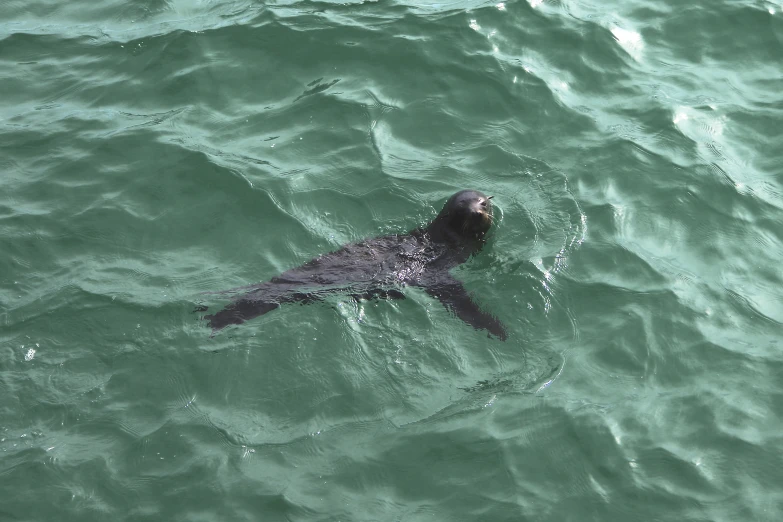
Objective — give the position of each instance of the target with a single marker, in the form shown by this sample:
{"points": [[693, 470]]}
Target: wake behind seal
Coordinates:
{"points": [[380, 267]]}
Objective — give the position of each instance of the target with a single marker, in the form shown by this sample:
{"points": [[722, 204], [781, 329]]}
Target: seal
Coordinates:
{"points": [[381, 266]]}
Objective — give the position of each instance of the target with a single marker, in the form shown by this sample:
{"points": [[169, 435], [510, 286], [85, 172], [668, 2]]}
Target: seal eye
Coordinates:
{"points": [[483, 202]]}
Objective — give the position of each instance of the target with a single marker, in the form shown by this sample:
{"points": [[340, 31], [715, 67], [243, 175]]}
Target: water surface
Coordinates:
{"points": [[155, 150]]}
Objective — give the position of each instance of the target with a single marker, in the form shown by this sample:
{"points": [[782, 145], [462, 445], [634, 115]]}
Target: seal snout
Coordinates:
{"points": [[480, 213], [481, 209], [483, 218]]}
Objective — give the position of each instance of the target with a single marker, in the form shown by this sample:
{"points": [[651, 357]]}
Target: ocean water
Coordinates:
{"points": [[151, 151]]}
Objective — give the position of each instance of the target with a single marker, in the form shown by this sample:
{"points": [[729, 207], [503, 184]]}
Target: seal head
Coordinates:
{"points": [[466, 215]]}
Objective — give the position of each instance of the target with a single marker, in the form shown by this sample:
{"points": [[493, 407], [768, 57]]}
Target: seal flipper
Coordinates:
{"points": [[238, 312], [246, 308], [455, 298]]}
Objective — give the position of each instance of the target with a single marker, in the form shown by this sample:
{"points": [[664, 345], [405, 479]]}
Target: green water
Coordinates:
{"points": [[154, 150]]}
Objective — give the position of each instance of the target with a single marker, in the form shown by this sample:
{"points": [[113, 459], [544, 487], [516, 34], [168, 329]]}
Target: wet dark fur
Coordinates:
{"points": [[381, 266]]}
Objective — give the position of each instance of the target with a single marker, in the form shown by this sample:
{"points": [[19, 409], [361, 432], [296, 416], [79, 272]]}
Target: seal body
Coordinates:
{"points": [[380, 267]]}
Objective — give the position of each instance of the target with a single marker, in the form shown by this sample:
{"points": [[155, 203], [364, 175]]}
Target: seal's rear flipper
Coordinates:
{"points": [[238, 312], [455, 298]]}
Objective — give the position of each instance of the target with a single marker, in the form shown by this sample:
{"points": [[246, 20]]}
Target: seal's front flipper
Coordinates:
{"points": [[454, 297]]}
